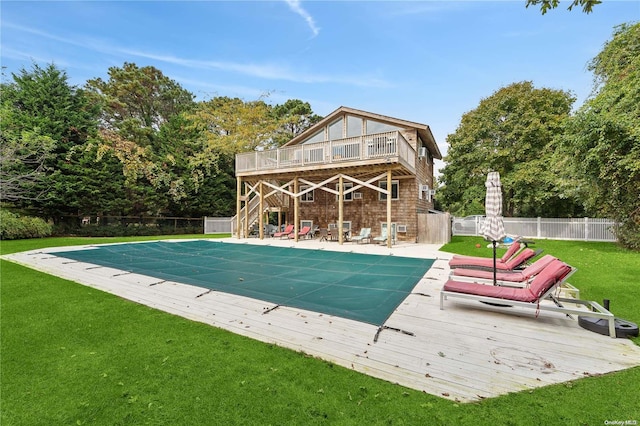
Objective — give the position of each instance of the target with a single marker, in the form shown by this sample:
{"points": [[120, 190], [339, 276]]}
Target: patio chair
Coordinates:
{"points": [[270, 229], [486, 263], [288, 230], [365, 234], [324, 233], [519, 278], [511, 251], [384, 235], [304, 232], [536, 296]]}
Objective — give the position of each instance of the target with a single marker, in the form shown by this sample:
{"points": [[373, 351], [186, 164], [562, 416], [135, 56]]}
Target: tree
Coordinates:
{"points": [[43, 119], [295, 116], [42, 98], [510, 132], [545, 5], [232, 125], [22, 160], [137, 103], [602, 141]]}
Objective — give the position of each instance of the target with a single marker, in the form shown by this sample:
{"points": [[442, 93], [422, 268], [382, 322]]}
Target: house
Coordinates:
{"points": [[353, 169]]}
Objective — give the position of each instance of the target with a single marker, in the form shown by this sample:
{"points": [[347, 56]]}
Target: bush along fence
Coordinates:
{"points": [[118, 226], [580, 229], [14, 226]]}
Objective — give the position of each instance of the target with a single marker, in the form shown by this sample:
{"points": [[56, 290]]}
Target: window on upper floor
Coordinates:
{"points": [[354, 126], [378, 127], [335, 129], [317, 137], [394, 190]]}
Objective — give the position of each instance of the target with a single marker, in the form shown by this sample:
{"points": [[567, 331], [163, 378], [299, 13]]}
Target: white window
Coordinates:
{"points": [[345, 186], [394, 190], [307, 197], [378, 127], [354, 126], [317, 137], [335, 130]]}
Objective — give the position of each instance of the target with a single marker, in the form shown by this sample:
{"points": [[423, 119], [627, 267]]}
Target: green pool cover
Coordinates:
{"points": [[361, 287]]}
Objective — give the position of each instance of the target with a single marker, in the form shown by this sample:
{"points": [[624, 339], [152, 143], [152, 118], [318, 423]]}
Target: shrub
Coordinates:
{"points": [[14, 227], [120, 230]]}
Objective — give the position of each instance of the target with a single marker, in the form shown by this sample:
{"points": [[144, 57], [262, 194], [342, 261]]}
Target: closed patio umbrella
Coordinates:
{"points": [[493, 227]]}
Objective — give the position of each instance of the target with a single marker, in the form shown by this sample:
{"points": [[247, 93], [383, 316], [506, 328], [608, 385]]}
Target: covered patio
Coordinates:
{"points": [[467, 352]]}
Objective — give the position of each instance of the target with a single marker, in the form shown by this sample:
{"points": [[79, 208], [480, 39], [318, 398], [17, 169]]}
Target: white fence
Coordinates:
{"points": [[217, 225], [584, 229]]}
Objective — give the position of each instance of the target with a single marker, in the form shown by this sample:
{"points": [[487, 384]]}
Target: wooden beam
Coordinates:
{"points": [[389, 232], [281, 188], [238, 204], [246, 213], [368, 184], [261, 216], [340, 208], [296, 209]]}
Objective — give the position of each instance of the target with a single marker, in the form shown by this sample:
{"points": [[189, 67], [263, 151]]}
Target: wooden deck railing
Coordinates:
{"points": [[380, 146]]}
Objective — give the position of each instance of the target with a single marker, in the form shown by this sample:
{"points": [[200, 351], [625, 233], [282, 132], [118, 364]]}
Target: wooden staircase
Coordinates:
{"points": [[275, 202]]}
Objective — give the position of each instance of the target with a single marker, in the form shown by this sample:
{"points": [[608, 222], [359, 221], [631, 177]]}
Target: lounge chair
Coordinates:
{"points": [[519, 278], [539, 291], [304, 232], [365, 234], [384, 235], [511, 251], [288, 230], [518, 261]]}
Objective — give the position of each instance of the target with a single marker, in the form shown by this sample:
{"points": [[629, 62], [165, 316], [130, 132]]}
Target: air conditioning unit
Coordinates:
{"points": [[424, 188], [422, 152], [357, 195]]}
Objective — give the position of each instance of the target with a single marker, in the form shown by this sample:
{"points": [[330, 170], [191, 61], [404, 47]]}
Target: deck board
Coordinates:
{"points": [[466, 352]]}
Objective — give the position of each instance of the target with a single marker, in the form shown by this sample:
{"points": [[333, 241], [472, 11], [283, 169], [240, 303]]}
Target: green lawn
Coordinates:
{"points": [[74, 355]]}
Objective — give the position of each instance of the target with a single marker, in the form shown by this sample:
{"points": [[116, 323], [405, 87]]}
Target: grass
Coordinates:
{"points": [[74, 355]]}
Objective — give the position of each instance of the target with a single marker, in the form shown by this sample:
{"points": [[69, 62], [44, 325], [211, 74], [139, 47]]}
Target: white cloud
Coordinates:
{"points": [[297, 8], [267, 71]]}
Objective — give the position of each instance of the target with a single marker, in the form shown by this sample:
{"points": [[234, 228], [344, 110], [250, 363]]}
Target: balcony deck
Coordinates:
{"points": [[361, 151]]}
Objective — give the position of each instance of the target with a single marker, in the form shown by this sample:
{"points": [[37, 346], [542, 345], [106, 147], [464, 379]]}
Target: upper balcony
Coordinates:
{"points": [[366, 150]]}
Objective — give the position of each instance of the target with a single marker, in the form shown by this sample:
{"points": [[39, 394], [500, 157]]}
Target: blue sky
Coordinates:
{"points": [[424, 61]]}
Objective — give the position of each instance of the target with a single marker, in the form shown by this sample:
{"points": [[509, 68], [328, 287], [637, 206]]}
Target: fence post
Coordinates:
{"points": [[539, 227], [586, 229]]}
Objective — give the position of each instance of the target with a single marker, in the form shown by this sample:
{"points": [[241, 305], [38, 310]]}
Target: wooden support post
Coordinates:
{"points": [[246, 212], [238, 205], [340, 208], [261, 216], [296, 209], [389, 231]]}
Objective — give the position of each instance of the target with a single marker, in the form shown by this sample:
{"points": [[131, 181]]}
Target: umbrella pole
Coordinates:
{"points": [[495, 280]]}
